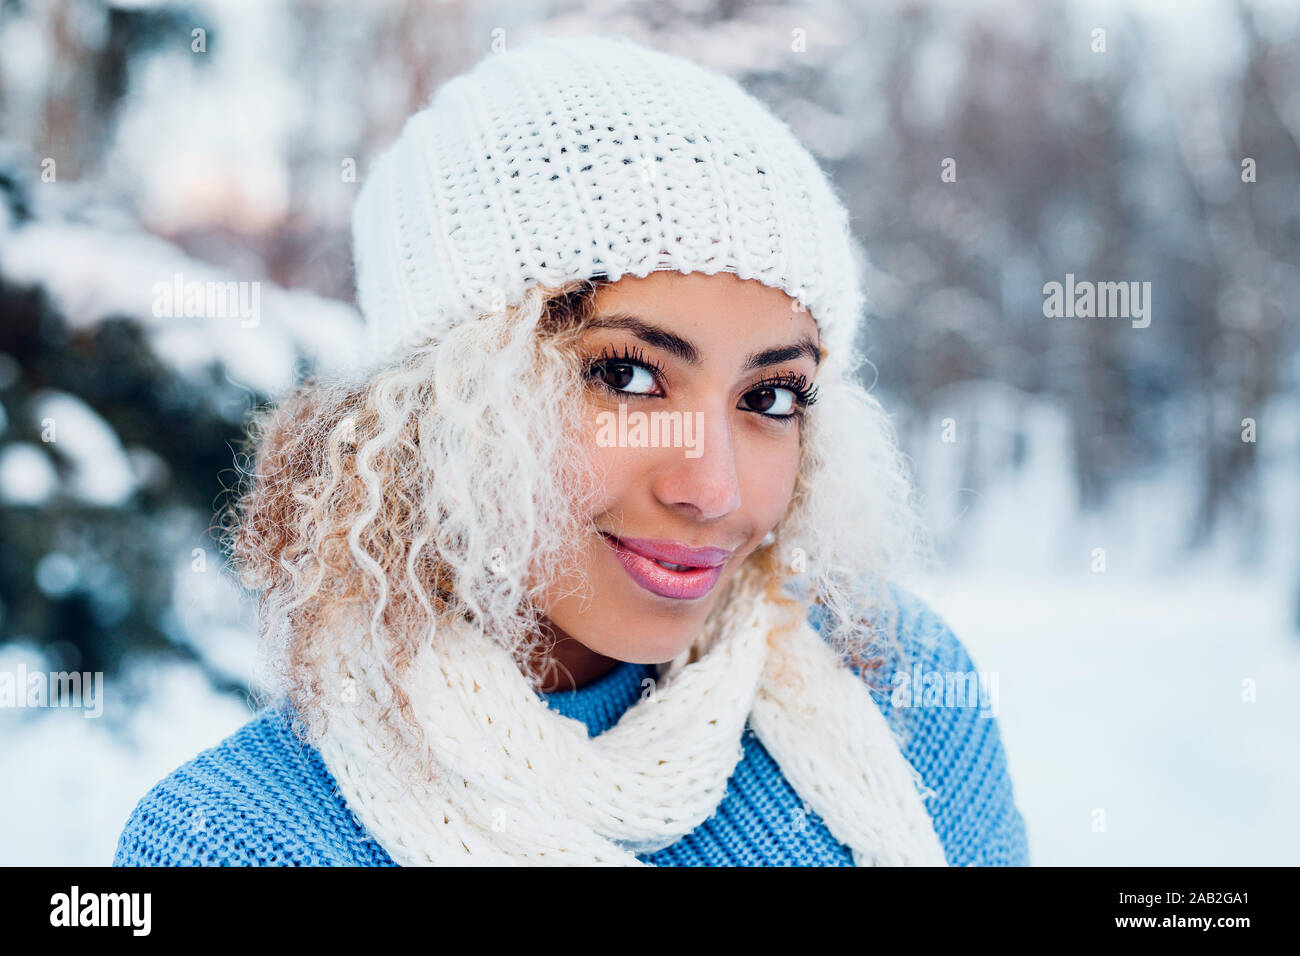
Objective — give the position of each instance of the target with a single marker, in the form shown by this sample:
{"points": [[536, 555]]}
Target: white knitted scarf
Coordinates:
{"points": [[503, 779]]}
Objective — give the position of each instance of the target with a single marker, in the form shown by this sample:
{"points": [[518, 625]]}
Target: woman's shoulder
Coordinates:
{"points": [[261, 797], [943, 709]]}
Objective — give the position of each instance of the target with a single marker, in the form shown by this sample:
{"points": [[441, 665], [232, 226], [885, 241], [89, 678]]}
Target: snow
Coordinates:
{"points": [[1147, 710], [1127, 695], [210, 617], [101, 471], [70, 782], [93, 273], [225, 116], [27, 476]]}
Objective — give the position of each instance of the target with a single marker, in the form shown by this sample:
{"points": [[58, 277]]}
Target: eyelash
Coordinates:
{"points": [[805, 395], [633, 357]]}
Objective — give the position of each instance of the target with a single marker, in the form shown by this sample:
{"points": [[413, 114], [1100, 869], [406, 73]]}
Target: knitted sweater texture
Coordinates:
{"points": [[263, 798]]}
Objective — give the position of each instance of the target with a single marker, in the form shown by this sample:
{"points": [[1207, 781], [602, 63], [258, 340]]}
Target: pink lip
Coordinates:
{"points": [[638, 555]]}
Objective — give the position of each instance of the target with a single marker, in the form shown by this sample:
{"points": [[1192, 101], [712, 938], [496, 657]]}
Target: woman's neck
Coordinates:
{"points": [[568, 664]]}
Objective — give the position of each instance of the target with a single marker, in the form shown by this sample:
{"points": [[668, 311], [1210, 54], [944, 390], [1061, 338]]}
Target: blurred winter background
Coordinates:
{"points": [[1118, 505]]}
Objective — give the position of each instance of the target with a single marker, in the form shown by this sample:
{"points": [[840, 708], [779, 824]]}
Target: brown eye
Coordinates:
{"points": [[631, 373], [775, 402], [624, 377], [783, 397]]}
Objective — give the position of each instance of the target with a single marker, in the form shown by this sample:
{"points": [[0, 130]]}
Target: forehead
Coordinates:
{"points": [[694, 297], [708, 319]]}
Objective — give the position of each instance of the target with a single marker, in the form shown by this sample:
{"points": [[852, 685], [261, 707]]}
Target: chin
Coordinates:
{"points": [[656, 651]]}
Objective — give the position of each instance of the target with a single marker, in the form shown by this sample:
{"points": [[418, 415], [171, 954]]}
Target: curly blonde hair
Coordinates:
{"points": [[439, 482]]}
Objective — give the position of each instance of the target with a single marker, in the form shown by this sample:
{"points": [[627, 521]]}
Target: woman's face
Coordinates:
{"points": [[713, 370]]}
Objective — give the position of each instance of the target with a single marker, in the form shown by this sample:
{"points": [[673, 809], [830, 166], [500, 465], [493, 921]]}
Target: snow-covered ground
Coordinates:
{"points": [[68, 783], [1148, 710], [1123, 711]]}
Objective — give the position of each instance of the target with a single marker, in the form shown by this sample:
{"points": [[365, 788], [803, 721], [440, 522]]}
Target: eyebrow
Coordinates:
{"points": [[686, 351]]}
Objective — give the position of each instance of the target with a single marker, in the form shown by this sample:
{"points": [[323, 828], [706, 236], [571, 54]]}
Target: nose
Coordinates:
{"points": [[706, 486]]}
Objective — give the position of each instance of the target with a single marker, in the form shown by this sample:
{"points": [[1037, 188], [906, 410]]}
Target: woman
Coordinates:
{"points": [[582, 567]]}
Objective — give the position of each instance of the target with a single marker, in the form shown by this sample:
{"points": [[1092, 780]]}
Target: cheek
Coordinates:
{"points": [[614, 469], [768, 481]]}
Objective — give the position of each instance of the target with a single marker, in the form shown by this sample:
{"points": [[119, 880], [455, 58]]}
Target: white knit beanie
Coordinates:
{"points": [[577, 157]]}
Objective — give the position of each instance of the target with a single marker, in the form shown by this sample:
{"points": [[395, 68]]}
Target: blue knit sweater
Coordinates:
{"points": [[261, 797]]}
